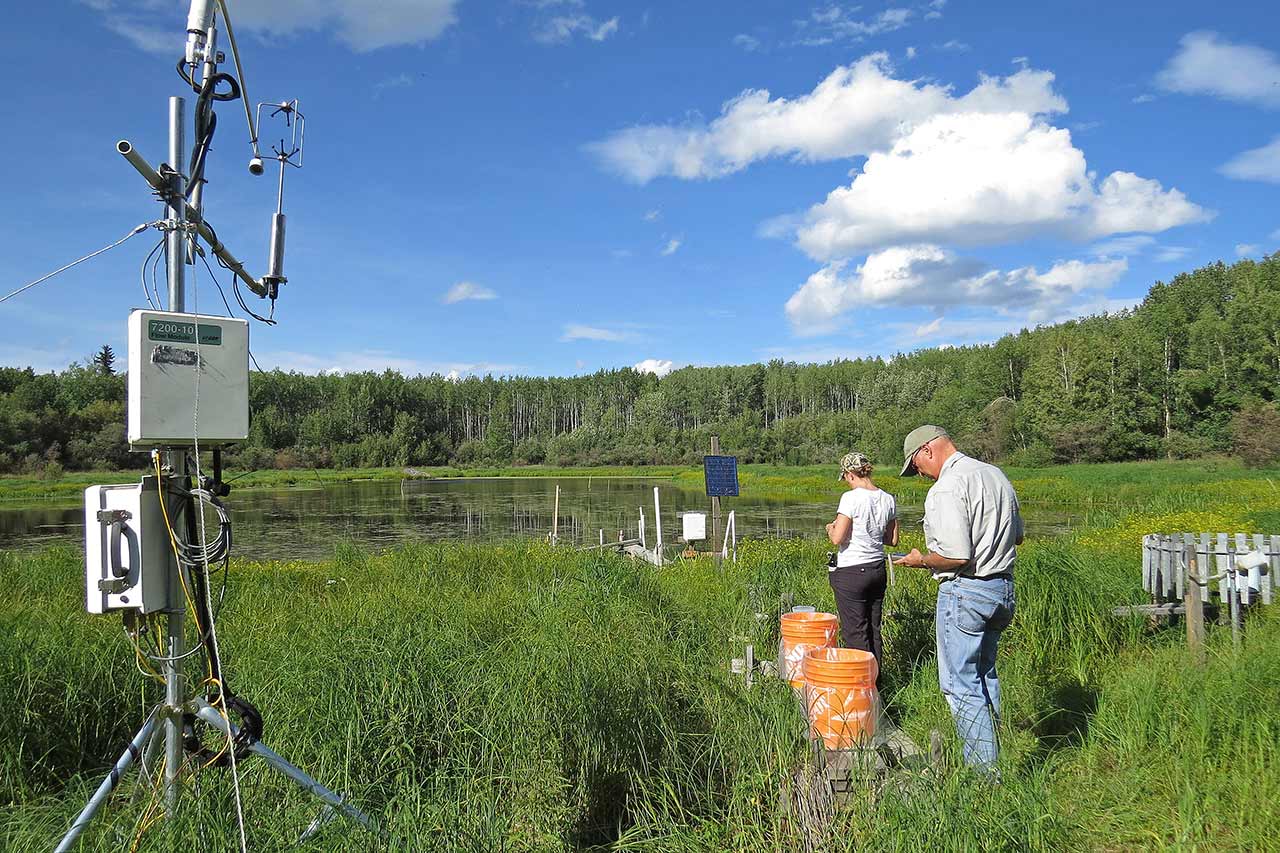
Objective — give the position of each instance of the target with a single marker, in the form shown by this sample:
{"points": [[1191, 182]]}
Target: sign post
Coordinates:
{"points": [[721, 475]]}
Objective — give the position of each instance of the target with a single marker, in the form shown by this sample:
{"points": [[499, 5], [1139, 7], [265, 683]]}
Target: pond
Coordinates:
{"points": [[307, 523]]}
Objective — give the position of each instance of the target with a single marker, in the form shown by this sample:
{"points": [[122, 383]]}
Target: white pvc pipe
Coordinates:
{"points": [[657, 521]]}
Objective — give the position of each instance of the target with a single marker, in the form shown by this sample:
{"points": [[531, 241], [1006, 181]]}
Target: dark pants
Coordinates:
{"points": [[859, 600]]}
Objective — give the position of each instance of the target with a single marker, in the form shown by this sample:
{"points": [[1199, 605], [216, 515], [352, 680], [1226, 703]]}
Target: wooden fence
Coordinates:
{"points": [[1167, 560]]}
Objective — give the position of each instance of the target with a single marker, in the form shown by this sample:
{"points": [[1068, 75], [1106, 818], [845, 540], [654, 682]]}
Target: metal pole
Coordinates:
{"points": [[211, 716], [715, 503], [176, 645], [108, 784]]}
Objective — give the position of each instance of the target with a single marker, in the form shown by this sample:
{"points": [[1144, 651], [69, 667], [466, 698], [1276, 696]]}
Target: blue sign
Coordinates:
{"points": [[721, 473]]}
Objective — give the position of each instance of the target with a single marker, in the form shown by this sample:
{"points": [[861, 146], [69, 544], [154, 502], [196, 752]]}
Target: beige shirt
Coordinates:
{"points": [[972, 514]]}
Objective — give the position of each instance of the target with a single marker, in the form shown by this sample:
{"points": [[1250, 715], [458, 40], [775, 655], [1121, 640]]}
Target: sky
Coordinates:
{"points": [[552, 187]]}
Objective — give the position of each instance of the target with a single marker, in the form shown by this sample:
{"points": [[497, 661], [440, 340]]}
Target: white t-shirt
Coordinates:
{"points": [[870, 513]]}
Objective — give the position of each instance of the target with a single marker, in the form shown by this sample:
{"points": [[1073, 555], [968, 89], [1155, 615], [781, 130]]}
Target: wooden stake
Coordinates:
{"points": [[1194, 604]]}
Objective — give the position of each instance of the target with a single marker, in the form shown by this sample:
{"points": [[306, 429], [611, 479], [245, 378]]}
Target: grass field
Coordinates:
{"points": [[527, 698]]}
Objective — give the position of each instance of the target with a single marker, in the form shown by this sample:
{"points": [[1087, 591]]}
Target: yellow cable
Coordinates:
{"points": [[173, 543]]}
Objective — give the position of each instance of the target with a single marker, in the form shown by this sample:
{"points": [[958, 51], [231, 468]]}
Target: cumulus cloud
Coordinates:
{"points": [[975, 178], [362, 25], [1208, 64], [659, 367], [1257, 164], [563, 28], [672, 246], [748, 43], [579, 332], [1244, 250], [929, 276], [856, 109], [465, 290]]}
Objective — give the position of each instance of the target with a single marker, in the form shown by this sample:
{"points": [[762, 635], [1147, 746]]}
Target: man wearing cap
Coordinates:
{"points": [[972, 526]]}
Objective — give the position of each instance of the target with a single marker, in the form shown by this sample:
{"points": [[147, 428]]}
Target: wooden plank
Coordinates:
{"points": [[1147, 585], [1223, 559], [1178, 559], [1168, 608], [1193, 603], [1274, 554], [1204, 562], [1167, 566], [1242, 581]]}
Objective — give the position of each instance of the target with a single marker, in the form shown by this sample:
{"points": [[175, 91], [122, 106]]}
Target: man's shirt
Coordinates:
{"points": [[972, 514]]}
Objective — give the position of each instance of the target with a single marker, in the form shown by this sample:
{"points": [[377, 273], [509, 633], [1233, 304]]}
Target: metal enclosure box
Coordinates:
{"points": [[162, 379], [133, 551]]}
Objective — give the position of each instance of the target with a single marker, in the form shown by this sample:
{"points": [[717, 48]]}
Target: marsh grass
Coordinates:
{"points": [[528, 698]]}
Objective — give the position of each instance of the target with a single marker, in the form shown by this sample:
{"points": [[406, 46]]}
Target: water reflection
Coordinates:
{"points": [[308, 522]]}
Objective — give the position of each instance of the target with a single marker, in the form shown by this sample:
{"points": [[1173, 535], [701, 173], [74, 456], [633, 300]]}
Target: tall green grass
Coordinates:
{"points": [[521, 697]]}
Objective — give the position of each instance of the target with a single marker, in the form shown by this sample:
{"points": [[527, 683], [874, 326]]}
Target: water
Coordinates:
{"points": [[307, 523]]}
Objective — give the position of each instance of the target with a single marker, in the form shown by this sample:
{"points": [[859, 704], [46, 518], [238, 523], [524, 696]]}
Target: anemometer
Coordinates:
{"points": [[149, 557]]}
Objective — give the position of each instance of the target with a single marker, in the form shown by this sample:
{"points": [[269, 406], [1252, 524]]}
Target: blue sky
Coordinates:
{"points": [[555, 186]]}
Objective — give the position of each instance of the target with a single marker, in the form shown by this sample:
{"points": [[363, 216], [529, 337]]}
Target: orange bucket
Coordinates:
{"points": [[840, 696], [800, 633]]}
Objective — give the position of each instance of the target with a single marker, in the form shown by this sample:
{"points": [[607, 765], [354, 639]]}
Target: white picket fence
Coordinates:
{"points": [[1166, 560]]}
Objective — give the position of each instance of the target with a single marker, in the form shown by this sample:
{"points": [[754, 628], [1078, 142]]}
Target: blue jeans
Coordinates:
{"points": [[971, 615]]}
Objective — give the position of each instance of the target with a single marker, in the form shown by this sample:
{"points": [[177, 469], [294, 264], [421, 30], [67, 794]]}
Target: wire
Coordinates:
{"points": [[155, 286], [244, 88], [136, 231], [200, 495], [143, 273], [216, 283]]}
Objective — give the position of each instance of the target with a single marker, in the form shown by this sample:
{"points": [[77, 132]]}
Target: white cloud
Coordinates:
{"points": [[748, 43], [1256, 164], [579, 332], [931, 277], [1021, 61], [360, 361], [911, 52], [659, 367], [835, 24], [1208, 64], [465, 290], [1274, 235], [955, 46], [1244, 250], [563, 28], [982, 178], [1134, 244], [362, 25], [671, 247], [929, 329], [855, 110], [1172, 254], [1143, 98], [652, 215]]}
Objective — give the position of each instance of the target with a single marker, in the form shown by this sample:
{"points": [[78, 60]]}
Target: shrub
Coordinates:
{"points": [[1255, 435]]}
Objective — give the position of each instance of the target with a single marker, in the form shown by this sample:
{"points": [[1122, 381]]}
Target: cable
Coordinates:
{"points": [[223, 690], [143, 273], [216, 283], [244, 88], [136, 231], [155, 285]]}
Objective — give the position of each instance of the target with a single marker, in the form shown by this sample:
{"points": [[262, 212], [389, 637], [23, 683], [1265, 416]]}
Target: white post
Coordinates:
{"points": [[555, 518], [657, 522], [643, 542]]}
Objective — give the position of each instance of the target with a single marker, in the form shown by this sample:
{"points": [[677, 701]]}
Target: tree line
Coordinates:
{"points": [[1193, 370]]}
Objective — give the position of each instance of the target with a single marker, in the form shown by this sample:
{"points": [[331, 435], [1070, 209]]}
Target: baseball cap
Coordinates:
{"points": [[854, 461], [916, 439]]}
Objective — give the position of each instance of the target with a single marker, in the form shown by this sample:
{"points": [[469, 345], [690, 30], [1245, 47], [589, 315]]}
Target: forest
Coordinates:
{"points": [[1193, 370]]}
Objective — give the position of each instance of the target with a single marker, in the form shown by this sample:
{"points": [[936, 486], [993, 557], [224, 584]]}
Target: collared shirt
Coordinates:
{"points": [[972, 514]]}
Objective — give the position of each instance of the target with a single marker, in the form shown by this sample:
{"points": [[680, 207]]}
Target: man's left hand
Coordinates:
{"points": [[912, 559]]}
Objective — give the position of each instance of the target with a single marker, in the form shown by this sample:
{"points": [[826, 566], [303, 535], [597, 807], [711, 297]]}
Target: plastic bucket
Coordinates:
{"points": [[840, 696], [800, 633]]}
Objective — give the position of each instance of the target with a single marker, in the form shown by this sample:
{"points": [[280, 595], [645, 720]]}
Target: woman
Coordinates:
{"points": [[865, 522]]}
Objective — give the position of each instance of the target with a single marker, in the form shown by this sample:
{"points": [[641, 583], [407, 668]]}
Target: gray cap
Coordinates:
{"points": [[916, 439]]}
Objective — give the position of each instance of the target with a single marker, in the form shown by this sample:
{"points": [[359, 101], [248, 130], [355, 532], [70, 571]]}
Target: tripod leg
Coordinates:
{"points": [[104, 790], [211, 716]]}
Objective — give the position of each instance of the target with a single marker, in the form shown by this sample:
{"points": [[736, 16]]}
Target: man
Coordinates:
{"points": [[972, 524]]}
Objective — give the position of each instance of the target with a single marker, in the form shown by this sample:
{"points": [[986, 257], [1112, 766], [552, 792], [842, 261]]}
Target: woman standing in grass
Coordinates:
{"points": [[866, 521]]}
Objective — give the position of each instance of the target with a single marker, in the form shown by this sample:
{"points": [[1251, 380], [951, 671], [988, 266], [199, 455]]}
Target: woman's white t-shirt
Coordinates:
{"points": [[870, 513]]}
